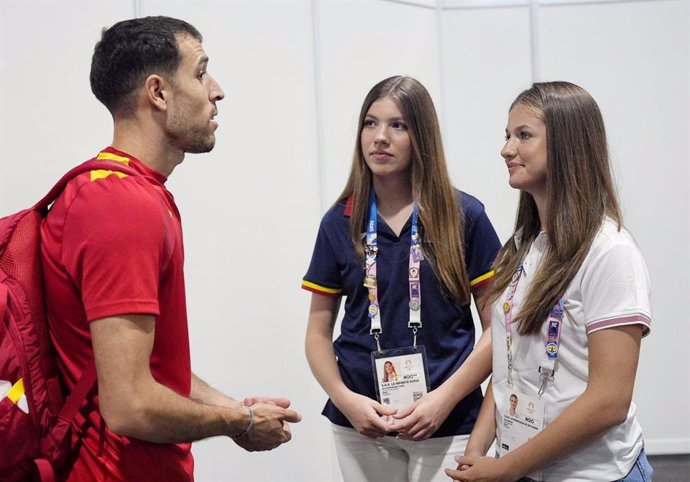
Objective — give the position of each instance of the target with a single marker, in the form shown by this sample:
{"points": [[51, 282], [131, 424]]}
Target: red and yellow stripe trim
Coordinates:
{"points": [[321, 290], [482, 280]]}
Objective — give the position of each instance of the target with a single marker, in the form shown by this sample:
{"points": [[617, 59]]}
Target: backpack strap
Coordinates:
{"points": [[88, 379], [79, 393], [45, 470], [62, 429], [90, 165]]}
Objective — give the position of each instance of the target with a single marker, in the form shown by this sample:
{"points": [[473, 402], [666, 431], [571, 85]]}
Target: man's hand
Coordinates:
{"points": [[279, 401], [270, 428]]}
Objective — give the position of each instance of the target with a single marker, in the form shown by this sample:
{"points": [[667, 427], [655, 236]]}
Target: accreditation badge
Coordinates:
{"points": [[523, 418], [401, 375]]}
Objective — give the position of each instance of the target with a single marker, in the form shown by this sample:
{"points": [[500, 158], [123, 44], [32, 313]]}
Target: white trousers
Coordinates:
{"points": [[389, 459]]}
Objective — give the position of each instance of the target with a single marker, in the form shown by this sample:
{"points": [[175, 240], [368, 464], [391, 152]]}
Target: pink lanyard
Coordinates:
{"points": [[553, 336]]}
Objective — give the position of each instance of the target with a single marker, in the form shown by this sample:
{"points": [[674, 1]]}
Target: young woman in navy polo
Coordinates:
{"points": [[407, 251]]}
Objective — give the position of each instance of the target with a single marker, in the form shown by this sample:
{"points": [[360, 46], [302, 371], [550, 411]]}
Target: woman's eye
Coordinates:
{"points": [[399, 125]]}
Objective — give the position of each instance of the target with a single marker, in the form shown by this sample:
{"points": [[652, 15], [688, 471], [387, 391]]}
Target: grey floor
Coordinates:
{"points": [[670, 468]]}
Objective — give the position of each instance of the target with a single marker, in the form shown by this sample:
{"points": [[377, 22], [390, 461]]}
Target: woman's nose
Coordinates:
{"points": [[381, 135], [508, 150]]}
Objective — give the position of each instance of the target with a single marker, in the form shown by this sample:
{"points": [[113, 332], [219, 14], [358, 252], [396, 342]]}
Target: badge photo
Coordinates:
{"points": [[523, 418], [401, 375]]}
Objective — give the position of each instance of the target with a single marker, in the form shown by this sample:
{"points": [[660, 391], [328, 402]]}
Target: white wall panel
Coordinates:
{"points": [[49, 119], [633, 58], [486, 63], [363, 42]]}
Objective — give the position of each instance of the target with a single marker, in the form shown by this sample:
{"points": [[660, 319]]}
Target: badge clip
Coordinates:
{"points": [[376, 337], [546, 374]]}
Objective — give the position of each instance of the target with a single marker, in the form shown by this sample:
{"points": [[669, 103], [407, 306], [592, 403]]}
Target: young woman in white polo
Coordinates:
{"points": [[570, 307]]}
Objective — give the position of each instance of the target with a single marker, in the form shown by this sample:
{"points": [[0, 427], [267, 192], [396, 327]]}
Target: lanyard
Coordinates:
{"points": [[553, 335], [508, 317], [414, 281], [553, 339]]}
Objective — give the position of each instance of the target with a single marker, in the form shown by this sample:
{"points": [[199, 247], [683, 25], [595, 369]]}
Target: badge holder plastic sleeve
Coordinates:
{"points": [[397, 352]]}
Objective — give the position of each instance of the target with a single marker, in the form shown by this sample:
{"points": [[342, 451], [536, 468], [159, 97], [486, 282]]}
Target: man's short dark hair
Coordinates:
{"points": [[130, 51]]}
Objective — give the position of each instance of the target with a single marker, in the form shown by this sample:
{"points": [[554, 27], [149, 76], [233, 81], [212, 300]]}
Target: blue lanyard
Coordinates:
{"points": [[370, 276]]}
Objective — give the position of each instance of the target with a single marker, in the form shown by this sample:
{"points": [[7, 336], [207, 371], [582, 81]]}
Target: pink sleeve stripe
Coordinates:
{"points": [[636, 319]]}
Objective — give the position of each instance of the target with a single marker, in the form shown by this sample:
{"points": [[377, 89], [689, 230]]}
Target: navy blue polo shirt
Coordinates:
{"points": [[447, 327]]}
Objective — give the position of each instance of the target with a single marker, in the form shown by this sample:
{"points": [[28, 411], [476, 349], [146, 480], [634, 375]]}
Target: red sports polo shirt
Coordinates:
{"points": [[112, 245]]}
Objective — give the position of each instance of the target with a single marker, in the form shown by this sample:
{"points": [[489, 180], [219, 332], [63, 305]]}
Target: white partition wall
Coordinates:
{"points": [[295, 73], [486, 63], [361, 42], [48, 117]]}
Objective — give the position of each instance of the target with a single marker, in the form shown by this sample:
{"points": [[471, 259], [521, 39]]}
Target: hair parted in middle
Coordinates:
{"points": [[441, 221], [580, 193]]}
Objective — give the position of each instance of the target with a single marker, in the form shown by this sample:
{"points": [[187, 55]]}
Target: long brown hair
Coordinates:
{"points": [[580, 193], [440, 219]]}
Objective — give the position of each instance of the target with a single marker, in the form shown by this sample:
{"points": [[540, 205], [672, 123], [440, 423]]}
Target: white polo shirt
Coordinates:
{"points": [[610, 289]]}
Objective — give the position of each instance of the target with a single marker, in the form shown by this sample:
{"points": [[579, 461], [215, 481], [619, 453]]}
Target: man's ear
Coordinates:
{"points": [[157, 91]]}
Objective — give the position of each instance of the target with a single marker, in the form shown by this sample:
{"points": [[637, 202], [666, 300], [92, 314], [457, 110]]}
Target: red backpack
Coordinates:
{"points": [[35, 416]]}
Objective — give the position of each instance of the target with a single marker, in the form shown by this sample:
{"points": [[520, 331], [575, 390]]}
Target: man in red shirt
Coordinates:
{"points": [[113, 259]]}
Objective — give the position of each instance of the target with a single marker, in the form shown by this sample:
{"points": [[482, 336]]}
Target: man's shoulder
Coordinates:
{"points": [[110, 173], [102, 196], [110, 186]]}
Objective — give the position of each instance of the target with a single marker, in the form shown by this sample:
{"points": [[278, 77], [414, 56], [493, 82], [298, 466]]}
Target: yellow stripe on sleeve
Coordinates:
{"points": [[103, 173], [109, 156], [482, 278]]}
